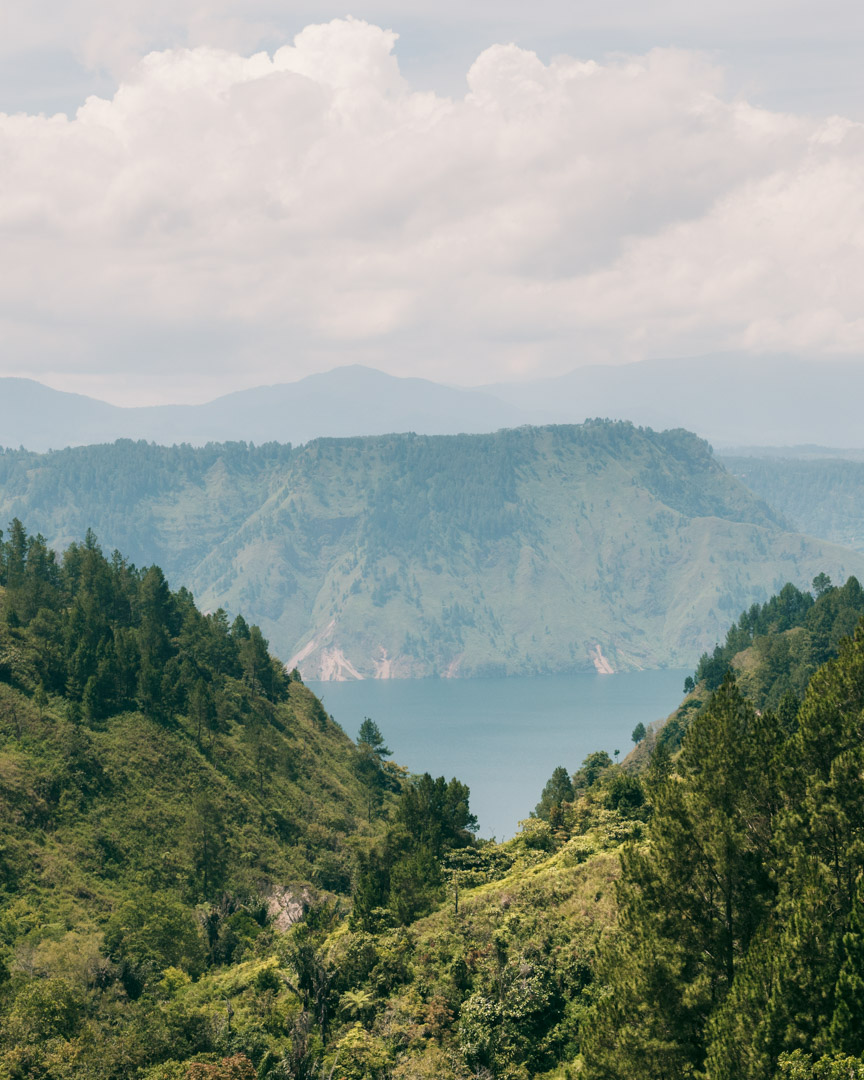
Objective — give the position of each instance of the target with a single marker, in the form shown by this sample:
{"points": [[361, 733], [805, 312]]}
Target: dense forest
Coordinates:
{"points": [[204, 878], [739, 950], [521, 552]]}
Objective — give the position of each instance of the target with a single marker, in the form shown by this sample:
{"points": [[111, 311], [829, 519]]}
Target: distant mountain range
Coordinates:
{"points": [[344, 402], [527, 551], [732, 400]]}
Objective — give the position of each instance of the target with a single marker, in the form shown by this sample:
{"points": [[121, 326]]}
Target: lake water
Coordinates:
{"points": [[504, 737]]}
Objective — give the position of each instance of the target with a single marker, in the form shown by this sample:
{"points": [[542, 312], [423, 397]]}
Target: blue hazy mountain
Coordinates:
{"points": [[345, 402], [733, 400]]}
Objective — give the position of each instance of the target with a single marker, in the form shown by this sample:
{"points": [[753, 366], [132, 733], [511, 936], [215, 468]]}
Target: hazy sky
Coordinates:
{"points": [[196, 197]]}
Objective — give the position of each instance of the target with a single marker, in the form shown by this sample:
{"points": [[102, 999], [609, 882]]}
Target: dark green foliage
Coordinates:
{"points": [[693, 902], [370, 766], [625, 793], [167, 794], [370, 736], [431, 819], [592, 769], [847, 1023], [740, 952], [638, 732], [111, 637], [777, 646], [792, 633], [162, 781], [558, 790]]}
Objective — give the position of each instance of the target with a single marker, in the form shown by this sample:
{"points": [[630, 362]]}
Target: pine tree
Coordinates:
{"points": [[694, 899], [847, 1023], [369, 736], [558, 790]]}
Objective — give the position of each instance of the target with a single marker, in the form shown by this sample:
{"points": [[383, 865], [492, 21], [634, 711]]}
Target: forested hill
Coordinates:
{"points": [[773, 650], [151, 740], [527, 551], [171, 804], [739, 952], [822, 496], [204, 879]]}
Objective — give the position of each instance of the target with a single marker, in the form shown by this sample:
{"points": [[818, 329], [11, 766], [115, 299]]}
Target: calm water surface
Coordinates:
{"points": [[503, 737]]}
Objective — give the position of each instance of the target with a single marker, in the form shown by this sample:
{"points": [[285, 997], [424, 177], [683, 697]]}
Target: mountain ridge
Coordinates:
{"points": [[522, 552], [732, 399], [343, 402]]}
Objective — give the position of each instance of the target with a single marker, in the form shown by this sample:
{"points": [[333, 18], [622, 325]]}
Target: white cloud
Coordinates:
{"points": [[239, 219]]}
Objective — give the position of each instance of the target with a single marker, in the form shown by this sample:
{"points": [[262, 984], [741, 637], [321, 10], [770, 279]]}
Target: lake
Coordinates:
{"points": [[504, 737]]}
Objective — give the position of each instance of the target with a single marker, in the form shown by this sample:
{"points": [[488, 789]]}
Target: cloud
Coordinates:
{"points": [[228, 219]]}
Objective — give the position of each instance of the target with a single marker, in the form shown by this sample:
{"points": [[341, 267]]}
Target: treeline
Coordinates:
{"points": [[739, 953], [111, 637], [792, 634]]}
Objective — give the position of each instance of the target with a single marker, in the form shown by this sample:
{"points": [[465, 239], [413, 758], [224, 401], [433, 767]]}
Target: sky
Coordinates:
{"points": [[198, 197]]}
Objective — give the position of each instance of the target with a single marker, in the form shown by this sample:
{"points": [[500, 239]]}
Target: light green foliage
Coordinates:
{"points": [[146, 826], [698, 919], [798, 1066]]}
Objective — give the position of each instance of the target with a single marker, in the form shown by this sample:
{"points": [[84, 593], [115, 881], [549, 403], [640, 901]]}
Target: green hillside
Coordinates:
{"points": [[204, 879], [772, 650], [144, 740], [739, 951], [822, 496], [528, 551]]}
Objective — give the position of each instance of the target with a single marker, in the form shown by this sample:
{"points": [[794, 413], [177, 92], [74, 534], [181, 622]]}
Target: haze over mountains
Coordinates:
{"points": [[344, 402], [527, 551], [732, 400]]}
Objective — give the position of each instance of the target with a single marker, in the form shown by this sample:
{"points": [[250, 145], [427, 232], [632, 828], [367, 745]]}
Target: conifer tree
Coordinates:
{"points": [[693, 900], [847, 1023], [558, 790]]}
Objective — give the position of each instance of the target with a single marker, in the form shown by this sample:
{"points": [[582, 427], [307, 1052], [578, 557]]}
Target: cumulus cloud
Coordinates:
{"points": [[244, 218]]}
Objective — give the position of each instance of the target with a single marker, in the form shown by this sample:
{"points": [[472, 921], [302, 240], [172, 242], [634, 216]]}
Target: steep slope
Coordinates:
{"points": [[527, 551], [702, 921], [773, 650], [146, 739], [171, 804], [739, 947]]}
